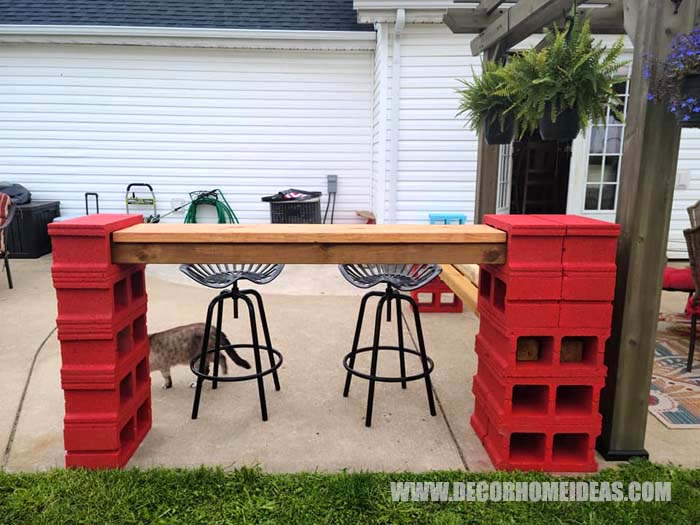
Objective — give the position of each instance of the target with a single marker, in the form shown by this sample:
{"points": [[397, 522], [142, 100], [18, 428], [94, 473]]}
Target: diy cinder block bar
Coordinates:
{"points": [[98, 273]]}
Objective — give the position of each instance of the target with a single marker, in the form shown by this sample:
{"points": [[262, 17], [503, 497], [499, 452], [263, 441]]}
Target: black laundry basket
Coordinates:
{"points": [[295, 207]]}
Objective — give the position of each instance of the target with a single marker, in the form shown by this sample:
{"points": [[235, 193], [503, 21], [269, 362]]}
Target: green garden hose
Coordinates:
{"points": [[215, 198]]}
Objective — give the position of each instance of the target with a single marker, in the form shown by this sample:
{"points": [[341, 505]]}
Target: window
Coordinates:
{"points": [[605, 157]]}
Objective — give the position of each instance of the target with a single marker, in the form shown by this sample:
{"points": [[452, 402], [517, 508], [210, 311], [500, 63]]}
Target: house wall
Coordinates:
{"points": [[251, 122]]}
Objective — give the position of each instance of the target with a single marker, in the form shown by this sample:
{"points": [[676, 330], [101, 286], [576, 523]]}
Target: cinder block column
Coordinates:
{"points": [[104, 343], [545, 317]]}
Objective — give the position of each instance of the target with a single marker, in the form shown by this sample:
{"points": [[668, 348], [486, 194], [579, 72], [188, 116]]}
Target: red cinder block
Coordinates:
{"points": [[549, 402], [528, 447], [521, 285], [102, 344], [589, 243], [500, 347], [100, 431], [125, 440], [519, 314], [533, 243], [585, 314], [588, 286], [84, 242], [109, 296], [436, 289]]}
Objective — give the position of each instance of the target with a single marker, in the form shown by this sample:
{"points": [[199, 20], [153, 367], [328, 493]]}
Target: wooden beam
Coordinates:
{"points": [[461, 286], [651, 145], [489, 6], [604, 20], [309, 233], [486, 170], [358, 253], [308, 244], [520, 21]]}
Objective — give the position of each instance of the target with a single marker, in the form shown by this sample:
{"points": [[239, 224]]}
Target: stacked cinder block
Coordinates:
{"points": [[104, 343], [545, 318], [431, 298]]}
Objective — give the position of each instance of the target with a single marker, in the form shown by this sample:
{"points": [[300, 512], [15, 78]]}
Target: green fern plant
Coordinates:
{"points": [[479, 101], [572, 72]]}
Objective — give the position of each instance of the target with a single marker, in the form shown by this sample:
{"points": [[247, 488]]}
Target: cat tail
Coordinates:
{"points": [[232, 353]]}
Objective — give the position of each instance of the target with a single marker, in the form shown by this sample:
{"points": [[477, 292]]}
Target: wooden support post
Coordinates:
{"points": [[649, 163], [486, 169]]}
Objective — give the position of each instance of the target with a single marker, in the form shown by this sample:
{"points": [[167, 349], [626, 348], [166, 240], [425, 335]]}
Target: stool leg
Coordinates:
{"points": [[217, 342], [402, 356], [375, 355], [266, 333], [256, 352], [691, 349], [203, 355], [356, 339], [7, 269], [423, 354]]}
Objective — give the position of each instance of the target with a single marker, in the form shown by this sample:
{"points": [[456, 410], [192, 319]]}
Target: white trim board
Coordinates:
{"points": [[188, 37]]}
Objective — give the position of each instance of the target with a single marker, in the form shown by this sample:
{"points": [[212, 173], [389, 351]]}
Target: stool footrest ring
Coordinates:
{"points": [[194, 364], [384, 379]]}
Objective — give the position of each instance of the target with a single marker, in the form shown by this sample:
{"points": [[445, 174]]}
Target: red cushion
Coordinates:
{"points": [[678, 279]]}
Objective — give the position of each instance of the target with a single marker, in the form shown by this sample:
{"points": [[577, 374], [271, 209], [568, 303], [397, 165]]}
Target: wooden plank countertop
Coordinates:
{"points": [[308, 243]]}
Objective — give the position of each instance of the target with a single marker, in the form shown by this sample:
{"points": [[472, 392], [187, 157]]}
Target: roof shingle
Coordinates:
{"points": [[318, 15]]}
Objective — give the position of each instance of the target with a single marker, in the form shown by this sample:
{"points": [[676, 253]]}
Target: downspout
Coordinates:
{"points": [[395, 113]]}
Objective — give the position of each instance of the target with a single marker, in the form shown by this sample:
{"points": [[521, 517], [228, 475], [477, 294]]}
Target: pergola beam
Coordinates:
{"points": [[490, 5], [606, 18], [520, 21]]}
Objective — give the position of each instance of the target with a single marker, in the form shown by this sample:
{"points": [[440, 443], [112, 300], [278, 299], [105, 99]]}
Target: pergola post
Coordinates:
{"points": [[651, 145], [486, 169]]}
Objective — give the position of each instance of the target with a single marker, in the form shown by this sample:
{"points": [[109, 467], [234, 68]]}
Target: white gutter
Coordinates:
{"points": [[185, 37], [395, 113]]}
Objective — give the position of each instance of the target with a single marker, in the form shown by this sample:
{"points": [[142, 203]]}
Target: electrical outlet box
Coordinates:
{"points": [[682, 179], [332, 184]]}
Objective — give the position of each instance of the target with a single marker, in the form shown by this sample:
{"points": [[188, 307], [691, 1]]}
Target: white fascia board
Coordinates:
{"points": [[188, 37], [405, 4], [417, 11]]}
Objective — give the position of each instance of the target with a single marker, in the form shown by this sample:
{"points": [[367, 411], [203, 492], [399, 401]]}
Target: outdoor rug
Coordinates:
{"points": [[675, 393]]}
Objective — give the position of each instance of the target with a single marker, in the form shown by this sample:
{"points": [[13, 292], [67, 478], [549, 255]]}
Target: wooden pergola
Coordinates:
{"points": [[651, 145]]}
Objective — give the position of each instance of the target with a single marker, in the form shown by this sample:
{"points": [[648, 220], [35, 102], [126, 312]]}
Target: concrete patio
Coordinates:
{"points": [[311, 312]]}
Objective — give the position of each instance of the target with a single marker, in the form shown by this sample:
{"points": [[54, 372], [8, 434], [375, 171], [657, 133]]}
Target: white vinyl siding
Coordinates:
{"points": [[380, 121], [684, 195], [437, 153], [251, 122]]}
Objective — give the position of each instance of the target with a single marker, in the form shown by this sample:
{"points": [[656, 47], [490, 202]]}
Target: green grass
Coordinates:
{"points": [[213, 496]]}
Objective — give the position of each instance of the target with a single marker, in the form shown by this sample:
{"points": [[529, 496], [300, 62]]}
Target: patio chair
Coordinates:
{"points": [[222, 276], [398, 278], [692, 239], [694, 214], [7, 213]]}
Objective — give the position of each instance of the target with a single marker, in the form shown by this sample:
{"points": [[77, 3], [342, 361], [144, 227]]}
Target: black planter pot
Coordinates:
{"points": [[690, 87], [565, 127], [494, 134]]}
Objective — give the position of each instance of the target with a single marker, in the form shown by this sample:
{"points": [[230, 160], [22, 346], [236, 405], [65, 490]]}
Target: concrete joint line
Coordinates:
{"points": [[13, 431]]}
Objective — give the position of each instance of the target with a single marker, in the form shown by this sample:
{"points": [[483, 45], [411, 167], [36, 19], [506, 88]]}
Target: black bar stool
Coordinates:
{"points": [[223, 276], [398, 278]]}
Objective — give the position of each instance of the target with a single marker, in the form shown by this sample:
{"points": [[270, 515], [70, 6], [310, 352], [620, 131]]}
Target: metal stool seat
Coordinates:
{"points": [[397, 277], [404, 277], [224, 276]]}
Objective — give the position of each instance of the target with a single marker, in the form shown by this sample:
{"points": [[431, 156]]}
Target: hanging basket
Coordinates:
{"points": [[565, 127], [690, 87], [495, 134]]}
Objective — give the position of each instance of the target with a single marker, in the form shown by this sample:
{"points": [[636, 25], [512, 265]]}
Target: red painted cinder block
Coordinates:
{"points": [[589, 243], [546, 401], [528, 447], [436, 289], [520, 314], [84, 242], [533, 243], [521, 285], [588, 285], [585, 314], [500, 347]]}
